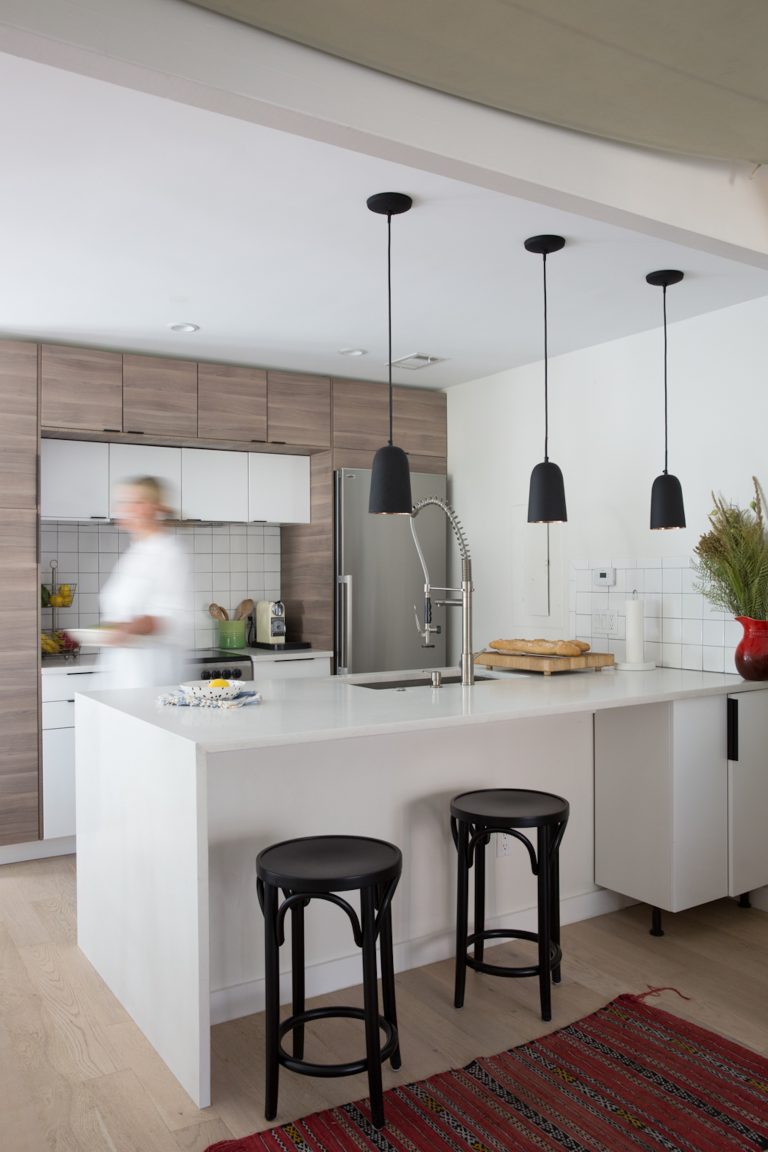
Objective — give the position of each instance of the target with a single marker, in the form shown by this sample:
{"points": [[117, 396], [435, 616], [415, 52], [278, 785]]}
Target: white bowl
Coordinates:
{"points": [[203, 691]]}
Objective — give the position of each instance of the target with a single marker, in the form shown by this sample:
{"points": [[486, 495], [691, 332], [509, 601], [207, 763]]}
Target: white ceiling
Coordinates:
{"points": [[123, 213], [687, 77]]}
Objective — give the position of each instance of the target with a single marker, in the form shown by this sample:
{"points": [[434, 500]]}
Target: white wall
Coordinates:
{"points": [[606, 433]]}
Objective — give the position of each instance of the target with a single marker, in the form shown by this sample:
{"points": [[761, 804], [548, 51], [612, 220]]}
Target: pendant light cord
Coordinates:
{"points": [[546, 363], [666, 453], [389, 318]]}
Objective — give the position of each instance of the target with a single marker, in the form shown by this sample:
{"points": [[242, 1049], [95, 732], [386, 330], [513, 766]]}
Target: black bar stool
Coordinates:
{"points": [[315, 868], [475, 816]]}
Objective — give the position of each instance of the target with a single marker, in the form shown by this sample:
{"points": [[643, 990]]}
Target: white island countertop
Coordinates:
{"points": [[307, 710]]}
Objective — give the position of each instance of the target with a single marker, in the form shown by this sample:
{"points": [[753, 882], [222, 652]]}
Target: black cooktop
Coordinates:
{"points": [[214, 656]]}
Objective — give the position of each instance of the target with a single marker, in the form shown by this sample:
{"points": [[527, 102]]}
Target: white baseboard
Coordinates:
{"points": [[245, 999], [37, 850]]}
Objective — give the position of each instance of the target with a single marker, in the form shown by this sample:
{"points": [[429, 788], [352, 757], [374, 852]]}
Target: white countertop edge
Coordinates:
{"points": [[88, 660], [452, 703]]}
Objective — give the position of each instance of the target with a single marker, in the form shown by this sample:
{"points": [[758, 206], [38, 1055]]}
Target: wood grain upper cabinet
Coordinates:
{"points": [[231, 403], [360, 416], [81, 388], [298, 410], [160, 396], [18, 424], [419, 421]]}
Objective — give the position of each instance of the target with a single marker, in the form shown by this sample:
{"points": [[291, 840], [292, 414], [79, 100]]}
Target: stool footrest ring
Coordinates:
{"points": [[352, 1067], [555, 953]]}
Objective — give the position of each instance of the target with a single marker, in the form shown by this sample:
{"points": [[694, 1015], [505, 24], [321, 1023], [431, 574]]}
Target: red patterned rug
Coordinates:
{"points": [[627, 1077]]}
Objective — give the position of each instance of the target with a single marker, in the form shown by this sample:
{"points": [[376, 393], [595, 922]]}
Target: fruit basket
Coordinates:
{"points": [[57, 643], [57, 595]]}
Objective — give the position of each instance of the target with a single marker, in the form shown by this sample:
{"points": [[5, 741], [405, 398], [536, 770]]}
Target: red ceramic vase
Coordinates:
{"points": [[752, 650]]}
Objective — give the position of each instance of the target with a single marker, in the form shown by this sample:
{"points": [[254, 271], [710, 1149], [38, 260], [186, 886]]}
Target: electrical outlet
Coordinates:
{"points": [[605, 623], [504, 844]]}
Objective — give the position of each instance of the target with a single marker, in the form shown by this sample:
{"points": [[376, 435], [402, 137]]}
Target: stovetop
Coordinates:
{"points": [[213, 656]]}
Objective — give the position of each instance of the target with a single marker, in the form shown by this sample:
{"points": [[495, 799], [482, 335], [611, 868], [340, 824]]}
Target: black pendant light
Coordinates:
{"points": [[667, 509], [390, 493], [546, 495]]}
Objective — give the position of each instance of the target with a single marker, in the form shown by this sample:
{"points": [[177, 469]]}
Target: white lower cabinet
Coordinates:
{"points": [[291, 667], [58, 783], [58, 746], [676, 822]]}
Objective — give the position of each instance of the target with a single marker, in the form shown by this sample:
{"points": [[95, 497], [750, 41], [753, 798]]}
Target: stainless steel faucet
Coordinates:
{"points": [[427, 628]]}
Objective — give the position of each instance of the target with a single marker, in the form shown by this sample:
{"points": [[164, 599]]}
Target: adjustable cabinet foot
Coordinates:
{"points": [[656, 928]]}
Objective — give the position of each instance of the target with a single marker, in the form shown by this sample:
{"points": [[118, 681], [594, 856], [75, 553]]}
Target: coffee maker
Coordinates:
{"points": [[269, 623]]}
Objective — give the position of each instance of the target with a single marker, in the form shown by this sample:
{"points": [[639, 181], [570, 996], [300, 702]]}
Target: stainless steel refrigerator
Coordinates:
{"points": [[379, 578]]}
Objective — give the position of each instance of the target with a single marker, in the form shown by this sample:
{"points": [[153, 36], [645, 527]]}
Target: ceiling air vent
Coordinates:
{"points": [[417, 360]]}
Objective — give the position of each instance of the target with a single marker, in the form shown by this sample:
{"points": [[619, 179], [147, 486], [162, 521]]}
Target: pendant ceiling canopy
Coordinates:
{"points": [[687, 78]]}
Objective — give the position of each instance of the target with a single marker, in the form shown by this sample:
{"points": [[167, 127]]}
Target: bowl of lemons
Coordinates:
{"points": [[213, 689]]}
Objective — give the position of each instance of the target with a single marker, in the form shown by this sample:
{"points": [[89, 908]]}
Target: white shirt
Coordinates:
{"points": [[151, 579]]}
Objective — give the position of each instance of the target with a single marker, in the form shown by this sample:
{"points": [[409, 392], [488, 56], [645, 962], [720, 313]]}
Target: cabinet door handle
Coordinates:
{"points": [[732, 751], [98, 517], [135, 432], [69, 701]]}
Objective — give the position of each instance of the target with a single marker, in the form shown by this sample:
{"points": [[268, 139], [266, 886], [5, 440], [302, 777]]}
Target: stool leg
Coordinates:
{"points": [[462, 898], [545, 922], [272, 997], [297, 974], [480, 894], [371, 1006], [555, 894], [388, 979]]}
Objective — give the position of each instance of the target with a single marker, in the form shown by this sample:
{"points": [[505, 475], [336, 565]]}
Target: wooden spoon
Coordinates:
{"points": [[244, 609], [217, 612]]}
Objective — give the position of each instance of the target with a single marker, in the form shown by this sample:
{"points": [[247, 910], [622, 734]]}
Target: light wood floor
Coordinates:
{"points": [[76, 1075]]}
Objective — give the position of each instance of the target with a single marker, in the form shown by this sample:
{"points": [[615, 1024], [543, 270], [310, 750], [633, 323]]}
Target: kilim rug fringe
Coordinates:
{"points": [[628, 1077]]}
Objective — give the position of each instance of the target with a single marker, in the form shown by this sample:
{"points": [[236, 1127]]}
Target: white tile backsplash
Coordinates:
{"points": [[228, 562], [681, 628]]}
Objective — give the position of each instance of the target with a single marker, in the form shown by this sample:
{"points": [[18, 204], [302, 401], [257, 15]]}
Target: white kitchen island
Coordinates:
{"points": [[174, 804]]}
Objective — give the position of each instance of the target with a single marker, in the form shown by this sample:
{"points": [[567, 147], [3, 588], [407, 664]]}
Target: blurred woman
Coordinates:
{"points": [[144, 600]]}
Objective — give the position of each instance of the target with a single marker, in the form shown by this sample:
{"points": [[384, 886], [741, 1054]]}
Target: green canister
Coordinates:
{"points": [[231, 633]]}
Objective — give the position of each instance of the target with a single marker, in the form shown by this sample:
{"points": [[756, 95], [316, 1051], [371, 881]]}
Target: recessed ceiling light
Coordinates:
{"points": [[184, 327], [353, 351]]}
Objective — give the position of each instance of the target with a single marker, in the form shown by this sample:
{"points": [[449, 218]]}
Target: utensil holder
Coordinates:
{"points": [[231, 633]]}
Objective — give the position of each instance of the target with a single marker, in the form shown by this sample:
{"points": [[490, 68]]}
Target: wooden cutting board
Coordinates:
{"points": [[588, 661]]}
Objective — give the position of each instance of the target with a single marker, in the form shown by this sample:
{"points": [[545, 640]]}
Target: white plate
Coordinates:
{"points": [[89, 637], [203, 690]]}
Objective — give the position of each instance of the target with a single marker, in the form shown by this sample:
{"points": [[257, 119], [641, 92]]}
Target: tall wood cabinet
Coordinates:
{"points": [[19, 708]]}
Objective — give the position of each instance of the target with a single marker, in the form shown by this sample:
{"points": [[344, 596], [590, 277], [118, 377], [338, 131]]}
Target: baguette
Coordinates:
{"points": [[541, 647]]}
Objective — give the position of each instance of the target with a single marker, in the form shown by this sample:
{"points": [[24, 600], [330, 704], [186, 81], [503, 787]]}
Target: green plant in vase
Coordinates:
{"points": [[732, 567]]}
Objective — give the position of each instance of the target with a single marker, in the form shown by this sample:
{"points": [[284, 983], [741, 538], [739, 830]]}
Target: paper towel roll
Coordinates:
{"points": [[634, 615]]}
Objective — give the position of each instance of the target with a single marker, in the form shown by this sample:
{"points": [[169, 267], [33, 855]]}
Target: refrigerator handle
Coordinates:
{"points": [[345, 583]]}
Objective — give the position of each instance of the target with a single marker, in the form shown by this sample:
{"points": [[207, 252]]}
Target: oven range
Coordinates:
{"points": [[215, 664]]}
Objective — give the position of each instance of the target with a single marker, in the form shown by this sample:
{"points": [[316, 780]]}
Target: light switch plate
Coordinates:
{"points": [[604, 577]]}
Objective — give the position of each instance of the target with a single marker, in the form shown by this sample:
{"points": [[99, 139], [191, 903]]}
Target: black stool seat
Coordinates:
{"points": [[510, 807], [329, 863], [475, 817], [318, 868]]}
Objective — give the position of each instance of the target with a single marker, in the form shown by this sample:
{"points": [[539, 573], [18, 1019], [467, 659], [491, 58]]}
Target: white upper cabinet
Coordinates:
{"points": [[278, 488], [214, 485], [74, 480], [130, 461]]}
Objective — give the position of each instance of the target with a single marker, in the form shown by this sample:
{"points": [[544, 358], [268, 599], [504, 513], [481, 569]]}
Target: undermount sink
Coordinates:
{"points": [[417, 682]]}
